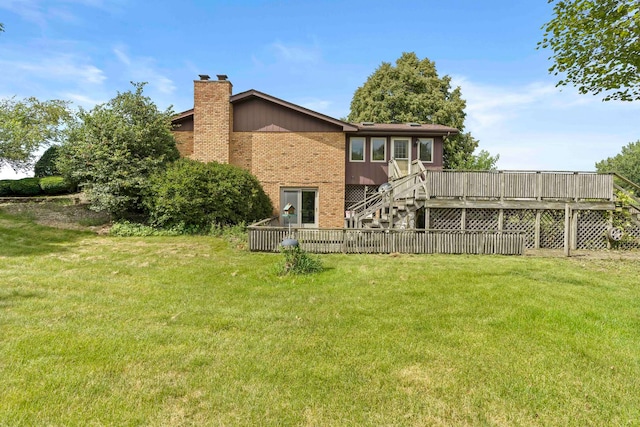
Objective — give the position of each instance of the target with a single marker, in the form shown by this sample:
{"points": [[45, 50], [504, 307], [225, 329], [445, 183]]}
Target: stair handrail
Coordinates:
{"points": [[627, 193], [627, 180]]}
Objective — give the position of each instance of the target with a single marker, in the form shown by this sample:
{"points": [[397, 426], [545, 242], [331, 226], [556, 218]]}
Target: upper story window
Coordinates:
{"points": [[425, 150], [356, 149], [378, 149]]}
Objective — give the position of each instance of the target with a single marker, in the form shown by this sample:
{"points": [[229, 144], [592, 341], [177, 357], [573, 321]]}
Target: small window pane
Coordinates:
{"points": [[401, 149], [426, 150], [357, 150], [378, 149]]}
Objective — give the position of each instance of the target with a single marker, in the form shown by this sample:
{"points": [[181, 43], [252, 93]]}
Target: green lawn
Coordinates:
{"points": [[193, 331]]}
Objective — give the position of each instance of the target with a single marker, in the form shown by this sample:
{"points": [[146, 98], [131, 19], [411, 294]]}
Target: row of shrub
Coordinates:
{"points": [[30, 187]]}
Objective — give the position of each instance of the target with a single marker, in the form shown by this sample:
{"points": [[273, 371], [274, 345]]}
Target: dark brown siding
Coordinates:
{"points": [[374, 173], [183, 125], [257, 115]]}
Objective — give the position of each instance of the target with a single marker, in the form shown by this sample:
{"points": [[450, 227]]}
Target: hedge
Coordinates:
{"points": [[29, 187]]}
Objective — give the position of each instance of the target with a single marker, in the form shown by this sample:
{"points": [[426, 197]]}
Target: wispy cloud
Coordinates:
{"points": [[61, 67], [296, 53], [144, 69], [41, 12]]}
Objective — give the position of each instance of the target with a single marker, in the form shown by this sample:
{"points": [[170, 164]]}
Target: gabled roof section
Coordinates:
{"points": [[251, 94]]}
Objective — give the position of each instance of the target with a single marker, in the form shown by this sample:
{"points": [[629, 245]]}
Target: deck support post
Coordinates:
{"points": [[567, 230], [536, 238]]}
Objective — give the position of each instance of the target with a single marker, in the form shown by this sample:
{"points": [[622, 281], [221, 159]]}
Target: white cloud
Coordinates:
{"points": [[144, 69], [59, 67], [538, 126], [296, 53]]}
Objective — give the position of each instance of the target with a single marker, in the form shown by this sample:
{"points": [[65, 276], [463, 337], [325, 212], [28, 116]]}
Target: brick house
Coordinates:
{"points": [[316, 163]]}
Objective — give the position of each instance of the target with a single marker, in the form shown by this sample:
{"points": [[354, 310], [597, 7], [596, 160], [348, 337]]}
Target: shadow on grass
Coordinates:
{"points": [[22, 237]]}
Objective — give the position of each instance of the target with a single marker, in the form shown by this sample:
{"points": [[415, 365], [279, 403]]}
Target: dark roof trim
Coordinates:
{"points": [[182, 115], [346, 127], [425, 129]]}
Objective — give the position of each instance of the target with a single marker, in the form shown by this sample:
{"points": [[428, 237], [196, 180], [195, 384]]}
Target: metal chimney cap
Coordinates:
{"points": [[222, 77], [203, 76]]}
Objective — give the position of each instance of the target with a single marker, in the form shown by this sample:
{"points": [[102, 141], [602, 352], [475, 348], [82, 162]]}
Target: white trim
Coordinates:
{"points": [[364, 148], [404, 138], [384, 139], [432, 148]]}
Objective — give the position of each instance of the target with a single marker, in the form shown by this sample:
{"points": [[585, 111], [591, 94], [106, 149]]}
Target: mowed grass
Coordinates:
{"points": [[171, 331]]}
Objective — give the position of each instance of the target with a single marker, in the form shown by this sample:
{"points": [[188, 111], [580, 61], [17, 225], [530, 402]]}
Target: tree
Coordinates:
{"points": [[483, 161], [46, 165], [596, 44], [113, 149], [28, 125], [412, 91], [626, 163]]}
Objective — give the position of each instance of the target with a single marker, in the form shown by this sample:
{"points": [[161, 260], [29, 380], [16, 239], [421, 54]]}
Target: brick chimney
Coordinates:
{"points": [[212, 119]]}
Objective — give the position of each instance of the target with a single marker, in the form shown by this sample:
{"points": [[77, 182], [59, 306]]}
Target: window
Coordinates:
{"points": [[378, 149], [356, 153], [425, 150]]}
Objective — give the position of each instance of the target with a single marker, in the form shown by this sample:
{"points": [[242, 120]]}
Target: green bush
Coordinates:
{"points": [[25, 187], [5, 188], [195, 194], [46, 165], [54, 185], [134, 229]]}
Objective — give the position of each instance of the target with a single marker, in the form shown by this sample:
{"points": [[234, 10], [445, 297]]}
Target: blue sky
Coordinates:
{"points": [[316, 54]]}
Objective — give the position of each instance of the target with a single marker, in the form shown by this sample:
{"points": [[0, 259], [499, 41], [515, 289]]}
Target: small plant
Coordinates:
{"points": [[297, 261]]}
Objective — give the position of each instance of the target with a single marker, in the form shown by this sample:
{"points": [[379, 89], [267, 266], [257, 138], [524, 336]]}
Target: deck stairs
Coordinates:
{"points": [[396, 203]]}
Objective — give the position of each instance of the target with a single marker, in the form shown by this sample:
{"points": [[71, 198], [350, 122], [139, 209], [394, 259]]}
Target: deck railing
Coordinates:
{"points": [[338, 240], [519, 185]]}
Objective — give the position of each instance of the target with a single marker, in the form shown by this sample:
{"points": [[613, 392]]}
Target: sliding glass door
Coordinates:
{"points": [[304, 202]]}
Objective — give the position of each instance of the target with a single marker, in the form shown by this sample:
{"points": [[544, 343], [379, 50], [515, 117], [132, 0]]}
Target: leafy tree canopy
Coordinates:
{"points": [[26, 125], [412, 91], [113, 149], [626, 163], [596, 45], [483, 161]]}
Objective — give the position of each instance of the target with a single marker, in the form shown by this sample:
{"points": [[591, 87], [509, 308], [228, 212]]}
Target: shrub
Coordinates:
{"points": [[25, 187], [297, 261], [5, 188], [135, 229], [53, 185], [196, 194], [46, 165]]}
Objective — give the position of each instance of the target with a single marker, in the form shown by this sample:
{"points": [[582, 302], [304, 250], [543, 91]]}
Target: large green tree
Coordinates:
{"points": [[626, 163], [412, 91], [113, 149], [596, 46], [27, 125]]}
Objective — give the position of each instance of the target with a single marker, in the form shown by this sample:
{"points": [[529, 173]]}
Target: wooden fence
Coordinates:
{"points": [[269, 239]]}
